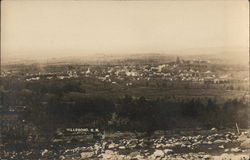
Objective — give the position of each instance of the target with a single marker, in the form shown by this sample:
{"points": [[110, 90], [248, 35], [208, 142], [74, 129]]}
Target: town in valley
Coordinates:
{"points": [[126, 108]]}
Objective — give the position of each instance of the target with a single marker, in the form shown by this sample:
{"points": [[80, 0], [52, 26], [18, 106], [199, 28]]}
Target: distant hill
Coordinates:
{"points": [[239, 56]]}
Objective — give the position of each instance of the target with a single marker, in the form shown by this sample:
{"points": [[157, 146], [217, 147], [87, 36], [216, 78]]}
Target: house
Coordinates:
{"points": [[17, 108]]}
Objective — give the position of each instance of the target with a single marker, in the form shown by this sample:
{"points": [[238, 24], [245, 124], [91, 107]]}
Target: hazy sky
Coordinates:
{"points": [[43, 28]]}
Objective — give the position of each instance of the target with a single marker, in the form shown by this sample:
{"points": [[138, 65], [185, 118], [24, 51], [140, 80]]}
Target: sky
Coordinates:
{"points": [[57, 28]]}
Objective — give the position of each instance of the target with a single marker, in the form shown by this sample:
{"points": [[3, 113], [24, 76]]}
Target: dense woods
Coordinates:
{"points": [[54, 105]]}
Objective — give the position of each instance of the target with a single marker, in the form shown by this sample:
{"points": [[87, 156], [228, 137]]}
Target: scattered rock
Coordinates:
{"points": [[226, 156]]}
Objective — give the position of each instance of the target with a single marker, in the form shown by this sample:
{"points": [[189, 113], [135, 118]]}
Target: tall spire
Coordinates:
{"points": [[178, 60]]}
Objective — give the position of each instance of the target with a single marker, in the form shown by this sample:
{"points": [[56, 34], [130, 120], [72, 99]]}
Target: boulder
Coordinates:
{"points": [[158, 153], [112, 145], [139, 157], [158, 146], [237, 149], [142, 144], [166, 151], [213, 129], [122, 147], [168, 145], [85, 155], [44, 152], [134, 154], [183, 145], [206, 156], [242, 138], [220, 141], [221, 146], [186, 143], [108, 154], [246, 144]]}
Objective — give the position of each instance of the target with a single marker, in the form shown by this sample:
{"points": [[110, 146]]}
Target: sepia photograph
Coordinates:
{"points": [[124, 80]]}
